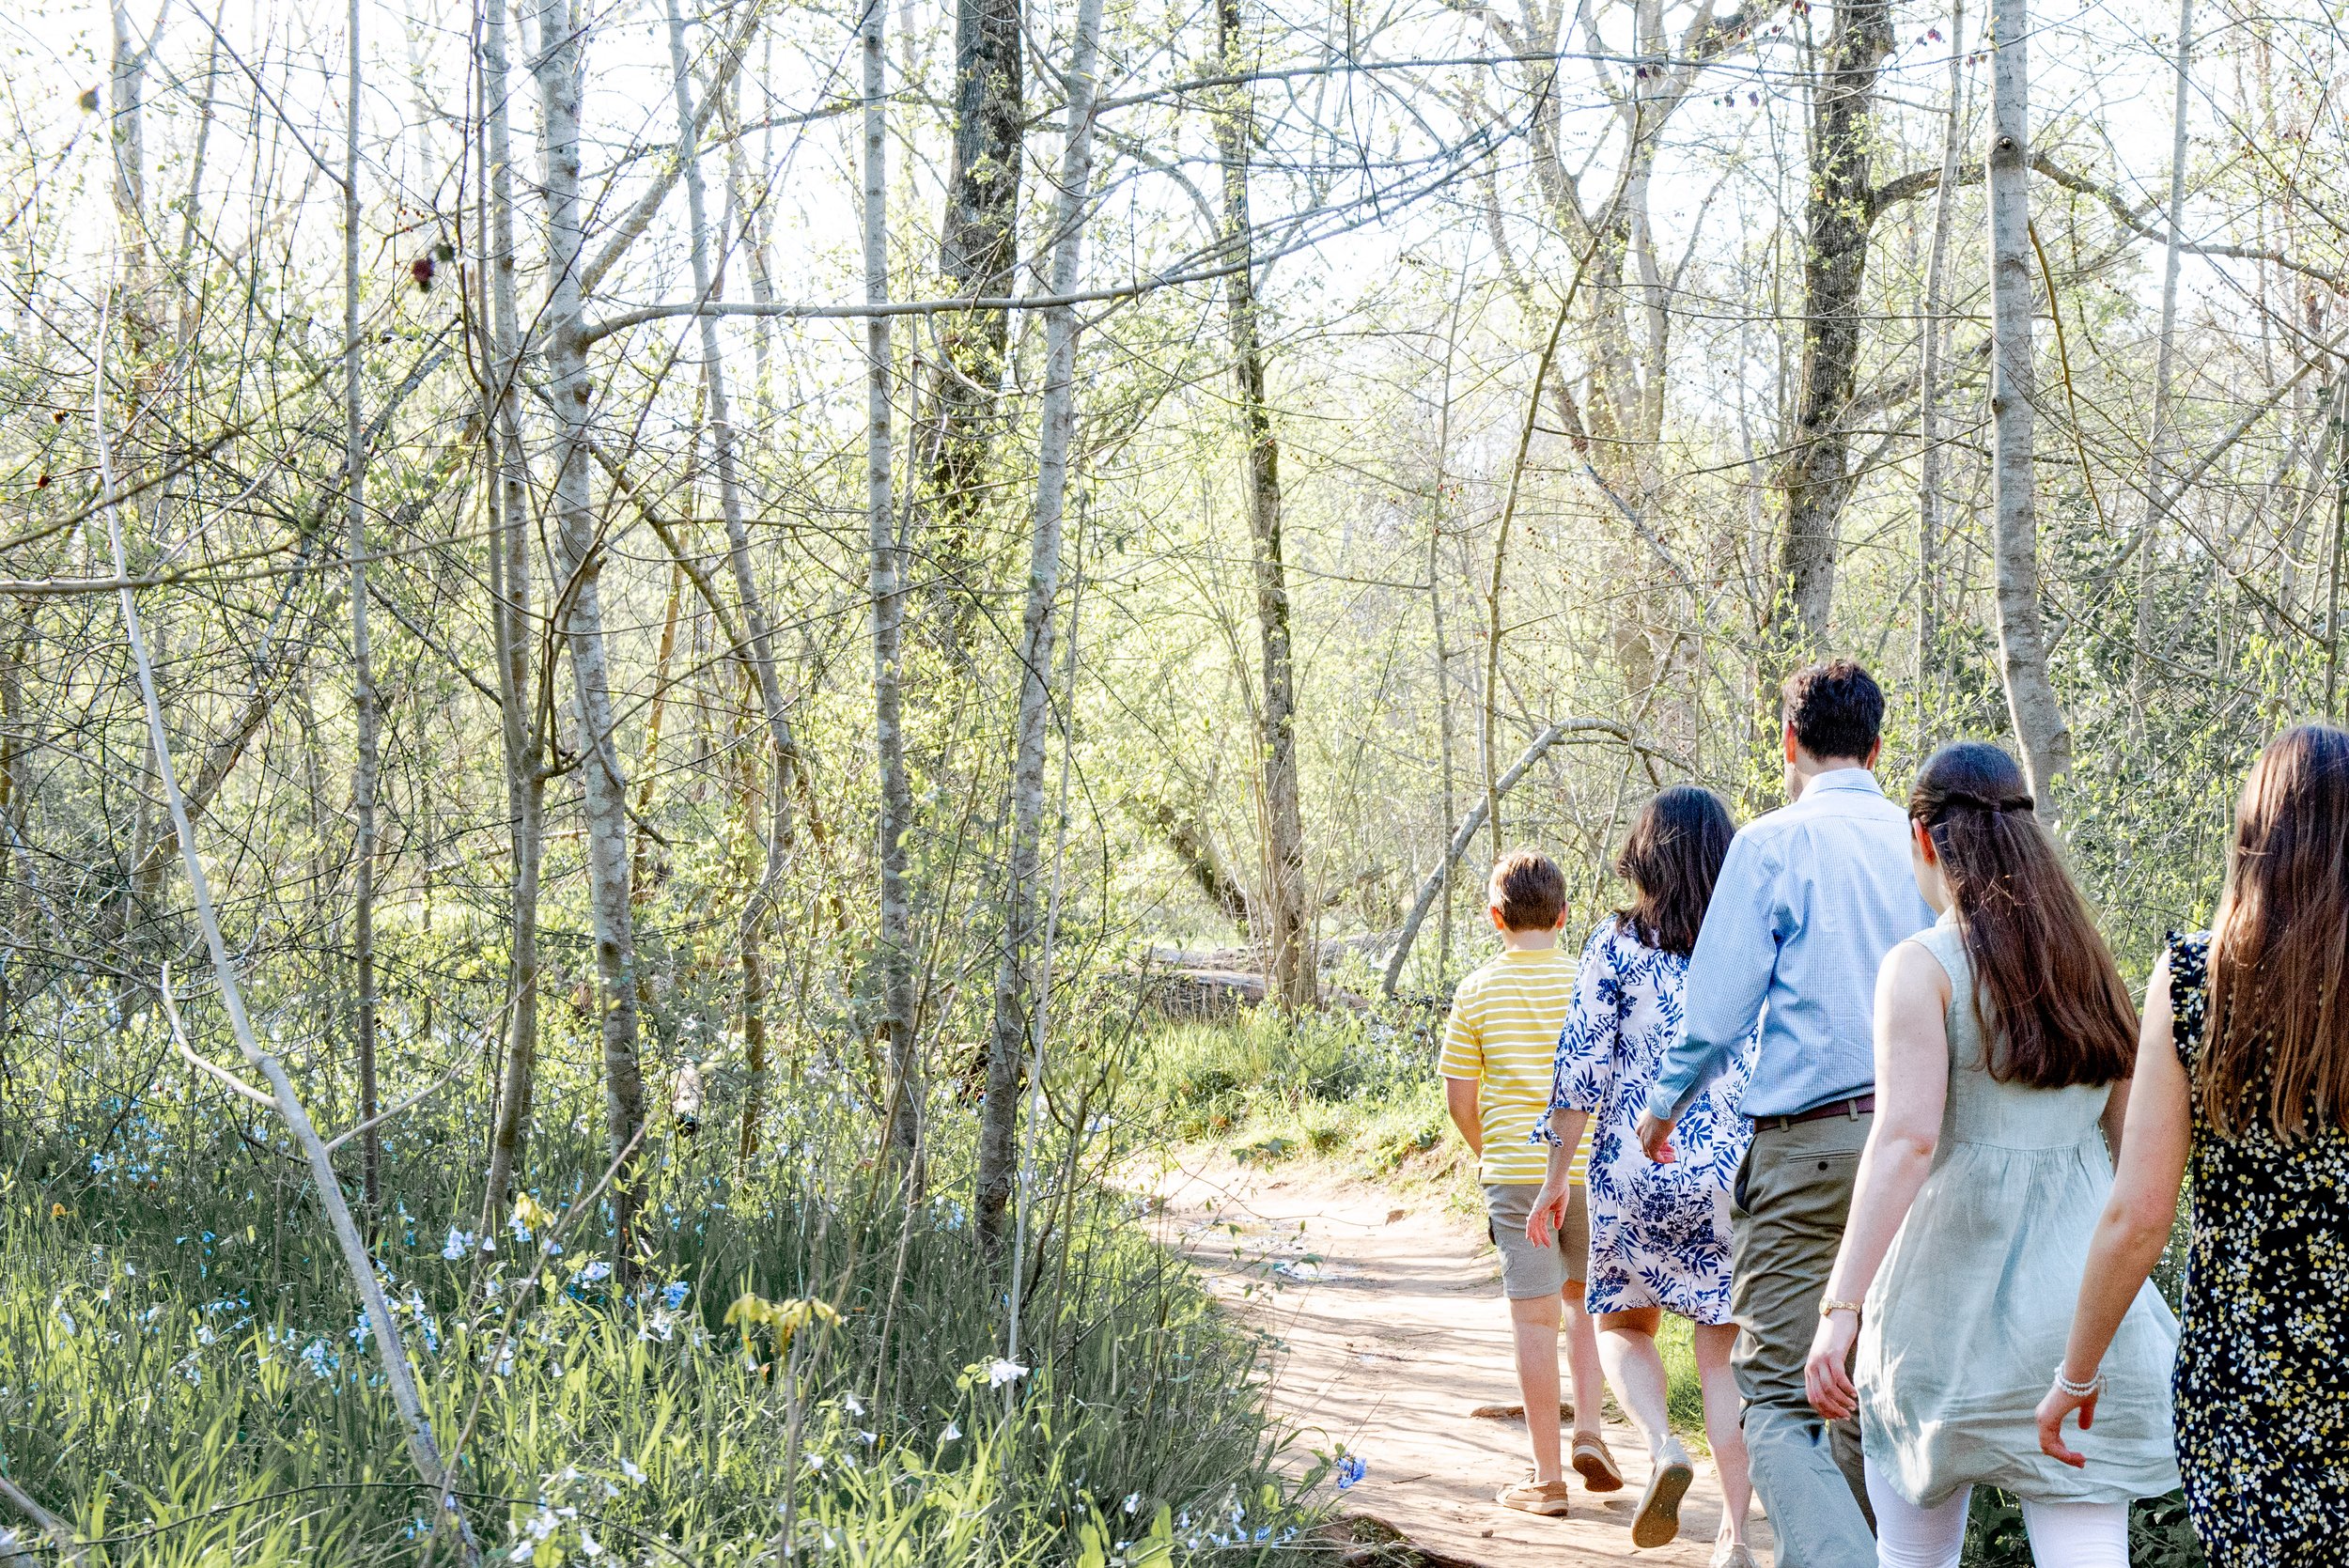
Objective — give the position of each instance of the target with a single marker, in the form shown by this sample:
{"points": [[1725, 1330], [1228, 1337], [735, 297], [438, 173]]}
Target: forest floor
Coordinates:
{"points": [[1386, 1332]]}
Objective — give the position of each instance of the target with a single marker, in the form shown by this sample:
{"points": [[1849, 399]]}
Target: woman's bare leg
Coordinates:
{"points": [[1722, 1426], [1635, 1370]]}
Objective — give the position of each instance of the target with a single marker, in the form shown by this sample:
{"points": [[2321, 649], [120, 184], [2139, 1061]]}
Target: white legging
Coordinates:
{"points": [[2063, 1534]]}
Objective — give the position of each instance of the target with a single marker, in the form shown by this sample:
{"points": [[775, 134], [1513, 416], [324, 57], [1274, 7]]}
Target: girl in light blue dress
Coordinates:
{"points": [[1659, 1233], [2004, 1043]]}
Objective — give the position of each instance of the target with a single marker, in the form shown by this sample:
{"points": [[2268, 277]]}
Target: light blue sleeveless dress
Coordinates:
{"points": [[1961, 1333]]}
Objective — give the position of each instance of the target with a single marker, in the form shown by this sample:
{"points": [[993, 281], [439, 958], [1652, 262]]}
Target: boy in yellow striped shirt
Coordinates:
{"points": [[1500, 1045]]}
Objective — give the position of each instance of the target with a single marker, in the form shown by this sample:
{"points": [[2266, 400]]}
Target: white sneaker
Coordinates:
{"points": [[1658, 1523]]}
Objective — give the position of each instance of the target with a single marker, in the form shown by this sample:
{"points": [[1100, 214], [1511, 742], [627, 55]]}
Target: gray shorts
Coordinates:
{"points": [[1527, 1271]]}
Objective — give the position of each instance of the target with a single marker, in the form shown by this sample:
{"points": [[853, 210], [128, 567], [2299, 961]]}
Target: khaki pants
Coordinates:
{"points": [[1793, 1194]]}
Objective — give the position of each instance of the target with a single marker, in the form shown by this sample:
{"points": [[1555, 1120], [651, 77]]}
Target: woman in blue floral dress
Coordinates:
{"points": [[1659, 1233]]}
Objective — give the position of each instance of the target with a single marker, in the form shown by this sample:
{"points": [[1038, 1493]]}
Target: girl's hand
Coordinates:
{"points": [[2052, 1410], [1550, 1212], [1825, 1379]]}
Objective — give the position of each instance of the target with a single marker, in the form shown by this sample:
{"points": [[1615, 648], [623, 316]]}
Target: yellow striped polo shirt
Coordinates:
{"points": [[1504, 1032]]}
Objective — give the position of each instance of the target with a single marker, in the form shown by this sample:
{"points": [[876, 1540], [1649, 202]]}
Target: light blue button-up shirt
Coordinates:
{"points": [[1810, 900]]}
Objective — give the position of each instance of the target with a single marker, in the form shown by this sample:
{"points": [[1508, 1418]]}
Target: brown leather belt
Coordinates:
{"points": [[1857, 1106]]}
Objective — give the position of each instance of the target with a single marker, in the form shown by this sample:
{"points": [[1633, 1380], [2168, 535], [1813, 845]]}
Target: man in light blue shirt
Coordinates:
{"points": [[1808, 901]]}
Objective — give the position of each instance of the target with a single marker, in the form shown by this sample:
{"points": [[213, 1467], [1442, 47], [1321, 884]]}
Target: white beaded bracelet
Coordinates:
{"points": [[2080, 1391]]}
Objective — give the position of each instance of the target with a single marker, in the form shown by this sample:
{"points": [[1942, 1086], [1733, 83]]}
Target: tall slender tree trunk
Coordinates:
{"points": [[126, 105], [1015, 1024], [2030, 699], [579, 563], [512, 618], [894, 950], [363, 695], [2158, 440], [1930, 527], [1816, 479], [1290, 971], [757, 918], [977, 252], [17, 893]]}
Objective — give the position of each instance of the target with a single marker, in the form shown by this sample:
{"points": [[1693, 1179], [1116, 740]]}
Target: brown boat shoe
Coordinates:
{"points": [[1544, 1498], [1595, 1465]]}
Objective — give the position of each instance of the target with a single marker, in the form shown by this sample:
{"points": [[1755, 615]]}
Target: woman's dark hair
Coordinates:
{"points": [[1671, 859], [2052, 1007], [2278, 1024]]}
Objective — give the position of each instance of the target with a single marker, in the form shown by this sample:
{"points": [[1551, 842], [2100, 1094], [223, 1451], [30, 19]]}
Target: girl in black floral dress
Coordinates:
{"points": [[2242, 1082]]}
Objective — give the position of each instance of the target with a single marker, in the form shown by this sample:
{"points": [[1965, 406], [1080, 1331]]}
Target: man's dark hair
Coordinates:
{"points": [[1836, 707], [1528, 890]]}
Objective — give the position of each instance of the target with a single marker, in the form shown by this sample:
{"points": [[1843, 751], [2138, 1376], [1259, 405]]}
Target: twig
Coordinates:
{"points": [[180, 1038], [2063, 362], [56, 1528]]}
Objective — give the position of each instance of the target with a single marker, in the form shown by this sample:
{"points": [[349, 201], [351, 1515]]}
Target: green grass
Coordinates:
{"points": [[180, 1379]]}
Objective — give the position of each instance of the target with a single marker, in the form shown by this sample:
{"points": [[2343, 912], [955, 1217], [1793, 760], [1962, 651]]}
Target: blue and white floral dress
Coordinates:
{"points": [[1659, 1233]]}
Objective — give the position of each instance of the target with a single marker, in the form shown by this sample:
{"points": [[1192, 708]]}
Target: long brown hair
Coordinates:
{"points": [[1672, 860], [2053, 1010], [2279, 949]]}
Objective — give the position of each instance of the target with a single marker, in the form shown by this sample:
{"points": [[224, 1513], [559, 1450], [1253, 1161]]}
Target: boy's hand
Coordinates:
{"points": [[1548, 1214], [1655, 1137]]}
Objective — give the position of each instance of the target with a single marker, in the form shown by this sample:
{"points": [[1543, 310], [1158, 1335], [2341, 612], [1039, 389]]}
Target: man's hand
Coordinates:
{"points": [[1655, 1137]]}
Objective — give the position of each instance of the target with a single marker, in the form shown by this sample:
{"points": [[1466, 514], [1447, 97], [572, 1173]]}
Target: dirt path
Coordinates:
{"points": [[1388, 1330]]}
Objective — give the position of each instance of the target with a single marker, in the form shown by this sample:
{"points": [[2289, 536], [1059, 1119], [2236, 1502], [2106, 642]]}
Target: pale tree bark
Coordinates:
{"points": [[126, 105], [1290, 971], [579, 563], [1816, 479], [2030, 699], [894, 955], [1929, 466], [512, 621], [362, 696], [1015, 1019], [757, 918], [755, 219], [2157, 441], [977, 253]]}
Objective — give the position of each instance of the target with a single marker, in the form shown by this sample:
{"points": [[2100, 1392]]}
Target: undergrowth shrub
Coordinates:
{"points": [[184, 1375]]}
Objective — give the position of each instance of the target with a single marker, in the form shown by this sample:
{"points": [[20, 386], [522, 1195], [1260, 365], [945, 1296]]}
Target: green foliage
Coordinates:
{"points": [[2160, 1535], [182, 1375]]}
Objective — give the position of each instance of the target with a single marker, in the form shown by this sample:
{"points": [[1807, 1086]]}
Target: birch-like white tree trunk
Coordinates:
{"points": [[2165, 360], [126, 107], [2039, 728], [894, 953], [579, 563], [1930, 527], [1015, 990], [511, 621], [363, 702], [758, 912]]}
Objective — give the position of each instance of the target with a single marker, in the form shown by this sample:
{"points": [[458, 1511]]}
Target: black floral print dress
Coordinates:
{"points": [[2262, 1388]]}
